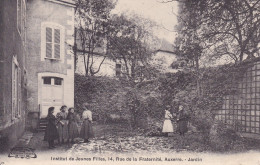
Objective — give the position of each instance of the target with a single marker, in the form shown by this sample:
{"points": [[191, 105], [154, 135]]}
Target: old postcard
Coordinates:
{"points": [[130, 82]]}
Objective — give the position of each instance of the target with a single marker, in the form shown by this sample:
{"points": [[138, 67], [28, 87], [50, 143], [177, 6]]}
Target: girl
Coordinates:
{"points": [[182, 120], [51, 132], [167, 125], [86, 131], [72, 126], [62, 124]]}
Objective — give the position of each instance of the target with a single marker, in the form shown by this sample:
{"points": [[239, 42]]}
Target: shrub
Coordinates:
{"points": [[224, 138]]}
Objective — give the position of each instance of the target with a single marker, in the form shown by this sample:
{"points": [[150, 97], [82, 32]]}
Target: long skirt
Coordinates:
{"points": [[73, 130], [86, 131], [63, 130], [167, 126], [183, 126], [51, 133]]}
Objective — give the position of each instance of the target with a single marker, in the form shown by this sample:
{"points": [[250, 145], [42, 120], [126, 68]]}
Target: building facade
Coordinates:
{"points": [[13, 70], [50, 57], [109, 67]]}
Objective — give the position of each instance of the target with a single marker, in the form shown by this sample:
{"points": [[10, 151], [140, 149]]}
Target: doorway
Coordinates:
{"points": [[52, 94]]}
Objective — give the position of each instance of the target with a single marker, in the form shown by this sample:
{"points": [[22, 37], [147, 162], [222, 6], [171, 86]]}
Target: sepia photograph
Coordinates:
{"points": [[130, 82]]}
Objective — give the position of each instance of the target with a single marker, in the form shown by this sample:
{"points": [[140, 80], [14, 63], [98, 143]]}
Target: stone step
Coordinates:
{"points": [[42, 125]]}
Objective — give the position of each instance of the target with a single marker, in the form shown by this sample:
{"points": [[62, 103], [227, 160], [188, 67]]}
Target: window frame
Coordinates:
{"points": [[53, 26], [52, 82], [16, 90], [21, 19], [19, 16]]}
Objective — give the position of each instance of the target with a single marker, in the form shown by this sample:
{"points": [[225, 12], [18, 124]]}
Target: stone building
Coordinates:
{"points": [[13, 70], [50, 57], [36, 63]]}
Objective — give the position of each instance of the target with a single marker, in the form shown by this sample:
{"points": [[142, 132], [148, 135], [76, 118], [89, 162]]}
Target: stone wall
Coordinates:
{"points": [[12, 46], [40, 13]]}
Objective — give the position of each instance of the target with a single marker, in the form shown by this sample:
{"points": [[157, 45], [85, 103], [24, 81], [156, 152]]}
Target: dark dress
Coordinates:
{"points": [[62, 125], [72, 126], [86, 131], [182, 122], [51, 132]]}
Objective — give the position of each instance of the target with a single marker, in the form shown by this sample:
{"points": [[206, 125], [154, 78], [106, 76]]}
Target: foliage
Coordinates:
{"points": [[128, 43], [92, 17], [225, 138], [217, 82], [143, 105], [219, 28]]}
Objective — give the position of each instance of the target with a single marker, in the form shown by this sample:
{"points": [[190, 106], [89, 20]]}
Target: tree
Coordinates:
{"points": [[189, 43], [128, 42], [214, 29], [92, 17], [226, 27]]}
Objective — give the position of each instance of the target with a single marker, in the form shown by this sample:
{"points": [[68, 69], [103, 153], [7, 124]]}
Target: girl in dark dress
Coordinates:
{"points": [[51, 132], [62, 124], [182, 121], [72, 126]]}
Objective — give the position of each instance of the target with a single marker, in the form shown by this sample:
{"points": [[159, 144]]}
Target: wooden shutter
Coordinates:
{"points": [[57, 43], [19, 95], [19, 13], [49, 42], [13, 90]]}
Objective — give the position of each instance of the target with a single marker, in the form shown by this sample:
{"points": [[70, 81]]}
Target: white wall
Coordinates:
{"points": [[163, 60], [107, 68]]}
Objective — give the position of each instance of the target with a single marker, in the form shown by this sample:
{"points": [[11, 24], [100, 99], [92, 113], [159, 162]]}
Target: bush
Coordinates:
{"points": [[224, 138]]}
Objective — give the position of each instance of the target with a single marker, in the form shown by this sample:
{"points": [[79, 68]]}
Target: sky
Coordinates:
{"points": [[164, 14]]}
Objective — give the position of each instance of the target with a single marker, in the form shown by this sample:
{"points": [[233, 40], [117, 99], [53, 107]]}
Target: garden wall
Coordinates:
{"points": [[242, 108]]}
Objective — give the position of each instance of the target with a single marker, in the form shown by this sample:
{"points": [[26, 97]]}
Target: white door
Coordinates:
{"points": [[52, 94]]}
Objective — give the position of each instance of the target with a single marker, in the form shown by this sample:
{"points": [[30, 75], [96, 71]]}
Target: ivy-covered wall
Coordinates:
{"points": [[242, 108]]}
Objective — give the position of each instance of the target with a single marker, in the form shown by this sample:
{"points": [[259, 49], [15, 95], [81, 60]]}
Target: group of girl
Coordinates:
{"points": [[181, 118], [64, 127]]}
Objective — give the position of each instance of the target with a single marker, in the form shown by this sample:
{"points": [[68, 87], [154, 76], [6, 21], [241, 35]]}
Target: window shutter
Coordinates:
{"points": [[57, 43], [19, 92], [49, 42], [19, 12], [13, 90]]}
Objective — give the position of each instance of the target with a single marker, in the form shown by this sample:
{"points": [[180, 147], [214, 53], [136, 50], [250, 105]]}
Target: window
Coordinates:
{"points": [[118, 70], [52, 41], [21, 19], [57, 81], [52, 81], [47, 80], [16, 90]]}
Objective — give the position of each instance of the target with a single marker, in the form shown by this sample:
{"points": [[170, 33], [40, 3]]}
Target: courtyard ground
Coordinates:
{"points": [[117, 138]]}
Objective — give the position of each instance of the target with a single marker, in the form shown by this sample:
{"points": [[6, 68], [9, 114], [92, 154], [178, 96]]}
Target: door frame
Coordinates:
{"points": [[40, 83]]}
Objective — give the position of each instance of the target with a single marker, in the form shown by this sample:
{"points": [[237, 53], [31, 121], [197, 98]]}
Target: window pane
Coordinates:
{"points": [[48, 34], [47, 80], [57, 51], [48, 50], [57, 81], [57, 36]]}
